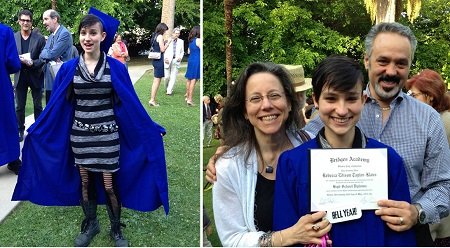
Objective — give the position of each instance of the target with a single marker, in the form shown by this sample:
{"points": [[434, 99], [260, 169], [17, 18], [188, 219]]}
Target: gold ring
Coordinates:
{"points": [[315, 227], [401, 221]]}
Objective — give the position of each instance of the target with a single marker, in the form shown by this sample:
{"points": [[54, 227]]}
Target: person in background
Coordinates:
{"points": [[218, 132], [158, 45], [193, 66], [57, 49], [207, 122], [30, 76], [338, 85], [260, 122], [29, 45], [103, 155], [9, 64], [301, 84], [119, 49], [429, 88], [172, 60]]}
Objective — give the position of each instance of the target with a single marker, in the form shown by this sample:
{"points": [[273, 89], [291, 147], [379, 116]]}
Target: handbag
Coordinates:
{"points": [[152, 54], [54, 68]]}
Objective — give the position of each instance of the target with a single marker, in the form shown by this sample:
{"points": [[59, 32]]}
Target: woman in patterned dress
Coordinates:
{"points": [[95, 122], [94, 136]]}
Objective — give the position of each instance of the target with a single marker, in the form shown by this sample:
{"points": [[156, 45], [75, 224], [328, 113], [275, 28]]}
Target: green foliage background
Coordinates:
{"points": [[306, 31], [138, 18]]}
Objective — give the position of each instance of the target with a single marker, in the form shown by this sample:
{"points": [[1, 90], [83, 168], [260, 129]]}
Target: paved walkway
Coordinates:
{"points": [[8, 179]]}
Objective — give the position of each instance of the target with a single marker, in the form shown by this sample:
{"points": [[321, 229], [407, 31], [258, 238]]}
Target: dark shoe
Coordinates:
{"points": [[117, 236], [20, 136], [116, 232], [90, 226], [15, 166]]}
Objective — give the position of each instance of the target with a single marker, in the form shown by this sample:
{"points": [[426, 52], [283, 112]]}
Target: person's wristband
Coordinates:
{"points": [[265, 240]]}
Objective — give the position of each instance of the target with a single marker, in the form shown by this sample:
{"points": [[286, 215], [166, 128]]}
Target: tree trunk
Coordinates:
{"points": [[385, 11], [168, 13], [54, 4], [228, 8], [391, 10]]}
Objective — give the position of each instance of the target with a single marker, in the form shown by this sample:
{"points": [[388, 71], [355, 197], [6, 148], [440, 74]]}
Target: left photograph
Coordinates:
{"points": [[100, 123]]}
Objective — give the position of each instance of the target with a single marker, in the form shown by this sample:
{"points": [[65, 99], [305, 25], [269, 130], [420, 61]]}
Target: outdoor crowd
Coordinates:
{"points": [[88, 145], [166, 56], [94, 131], [264, 192]]}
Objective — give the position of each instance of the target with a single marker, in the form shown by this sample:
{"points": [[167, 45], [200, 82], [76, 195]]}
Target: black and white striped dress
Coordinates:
{"points": [[94, 136]]}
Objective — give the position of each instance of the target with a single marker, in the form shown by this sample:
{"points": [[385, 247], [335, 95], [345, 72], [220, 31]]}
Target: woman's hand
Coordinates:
{"points": [[309, 229]]}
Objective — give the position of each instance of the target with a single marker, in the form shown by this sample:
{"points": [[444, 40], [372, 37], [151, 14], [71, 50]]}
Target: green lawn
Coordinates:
{"points": [[33, 225]]}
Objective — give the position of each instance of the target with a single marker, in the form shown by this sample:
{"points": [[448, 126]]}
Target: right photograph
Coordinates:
{"points": [[326, 123]]}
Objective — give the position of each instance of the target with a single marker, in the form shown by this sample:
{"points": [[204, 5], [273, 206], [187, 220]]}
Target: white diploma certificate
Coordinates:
{"points": [[348, 176]]}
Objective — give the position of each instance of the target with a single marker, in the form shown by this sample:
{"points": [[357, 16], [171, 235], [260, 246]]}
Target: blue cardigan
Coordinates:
{"points": [[48, 175], [292, 200]]}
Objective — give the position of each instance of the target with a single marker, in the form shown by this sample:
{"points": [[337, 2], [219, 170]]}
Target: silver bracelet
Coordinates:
{"points": [[265, 240]]}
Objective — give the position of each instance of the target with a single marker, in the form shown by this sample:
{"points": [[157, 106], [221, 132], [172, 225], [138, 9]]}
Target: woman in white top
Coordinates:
{"points": [[256, 135]]}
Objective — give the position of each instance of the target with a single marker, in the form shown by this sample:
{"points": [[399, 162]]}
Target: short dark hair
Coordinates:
{"points": [[88, 21], [26, 13], [238, 130], [337, 72], [161, 28]]}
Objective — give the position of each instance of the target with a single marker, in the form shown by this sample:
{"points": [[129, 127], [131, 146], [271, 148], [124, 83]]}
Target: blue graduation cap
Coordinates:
{"points": [[110, 26]]}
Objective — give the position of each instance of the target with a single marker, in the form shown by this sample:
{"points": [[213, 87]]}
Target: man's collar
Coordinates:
{"points": [[57, 28]]}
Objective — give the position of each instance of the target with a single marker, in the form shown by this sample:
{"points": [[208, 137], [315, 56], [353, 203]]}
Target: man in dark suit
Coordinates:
{"points": [[29, 46], [9, 63], [57, 49]]}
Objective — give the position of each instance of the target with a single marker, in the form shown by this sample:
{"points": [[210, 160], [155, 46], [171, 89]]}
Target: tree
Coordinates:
{"points": [[263, 30], [168, 13], [391, 10], [228, 10]]}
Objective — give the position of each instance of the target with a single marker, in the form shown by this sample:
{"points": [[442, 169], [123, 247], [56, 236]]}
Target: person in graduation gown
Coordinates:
{"points": [[9, 64], [95, 143], [338, 96]]}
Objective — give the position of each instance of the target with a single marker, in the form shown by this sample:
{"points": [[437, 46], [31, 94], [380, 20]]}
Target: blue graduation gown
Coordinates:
{"points": [[48, 175], [9, 64], [292, 200]]}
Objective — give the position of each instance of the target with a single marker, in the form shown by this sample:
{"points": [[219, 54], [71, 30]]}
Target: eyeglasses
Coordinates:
{"points": [[274, 96], [415, 95], [24, 20]]}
